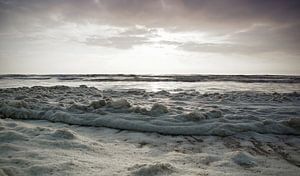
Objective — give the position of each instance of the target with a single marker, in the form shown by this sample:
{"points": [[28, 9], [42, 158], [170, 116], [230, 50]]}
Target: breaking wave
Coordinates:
{"points": [[180, 113], [159, 78]]}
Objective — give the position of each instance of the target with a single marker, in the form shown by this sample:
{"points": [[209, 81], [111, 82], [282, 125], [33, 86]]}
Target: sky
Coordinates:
{"points": [[150, 36]]}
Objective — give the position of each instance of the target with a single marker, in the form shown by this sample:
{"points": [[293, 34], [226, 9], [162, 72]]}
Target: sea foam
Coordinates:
{"points": [[182, 113]]}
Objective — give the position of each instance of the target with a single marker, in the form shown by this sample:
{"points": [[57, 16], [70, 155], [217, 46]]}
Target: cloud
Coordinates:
{"points": [[248, 26], [182, 14], [125, 39], [139, 30], [256, 39], [119, 42], [224, 48], [269, 38]]}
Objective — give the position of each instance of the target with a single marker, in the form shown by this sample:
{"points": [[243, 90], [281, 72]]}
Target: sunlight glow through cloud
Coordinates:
{"points": [[157, 36]]}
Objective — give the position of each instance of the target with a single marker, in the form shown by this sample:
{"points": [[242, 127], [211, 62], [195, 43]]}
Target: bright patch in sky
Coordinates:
{"points": [[156, 37]]}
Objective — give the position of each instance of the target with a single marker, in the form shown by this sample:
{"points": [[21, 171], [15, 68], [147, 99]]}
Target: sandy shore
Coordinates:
{"points": [[44, 148]]}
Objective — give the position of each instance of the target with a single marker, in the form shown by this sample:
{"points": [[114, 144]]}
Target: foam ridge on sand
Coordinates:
{"points": [[181, 113]]}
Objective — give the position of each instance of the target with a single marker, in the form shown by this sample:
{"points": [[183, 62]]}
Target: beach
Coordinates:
{"points": [[142, 125]]}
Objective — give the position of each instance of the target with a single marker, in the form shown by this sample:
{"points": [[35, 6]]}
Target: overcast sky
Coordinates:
{"points": [[150, 36]]}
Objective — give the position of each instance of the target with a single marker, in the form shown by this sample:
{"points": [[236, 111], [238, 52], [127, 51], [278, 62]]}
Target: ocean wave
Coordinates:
{"points": [[162, 78], [180, 113]]}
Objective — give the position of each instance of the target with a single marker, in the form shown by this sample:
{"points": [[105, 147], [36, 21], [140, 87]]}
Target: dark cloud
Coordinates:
{"points": [[200, 14], [236, 18], [247, 10]]}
